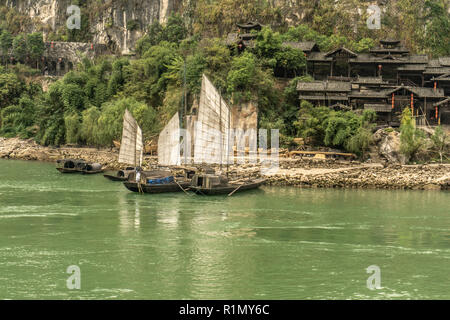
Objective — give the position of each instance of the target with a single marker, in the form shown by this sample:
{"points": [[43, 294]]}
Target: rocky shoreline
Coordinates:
{"points": [[307, 173]]}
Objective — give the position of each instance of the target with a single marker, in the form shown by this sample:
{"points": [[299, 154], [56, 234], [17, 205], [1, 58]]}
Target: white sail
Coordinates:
{"points": [[131, 147], [169, 143], [212, 127]]}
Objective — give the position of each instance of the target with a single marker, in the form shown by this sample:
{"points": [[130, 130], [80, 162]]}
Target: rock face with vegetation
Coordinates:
{"points": [[118, 24]]}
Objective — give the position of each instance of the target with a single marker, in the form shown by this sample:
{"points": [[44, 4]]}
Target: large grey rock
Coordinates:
{"points": [[388, 143]]}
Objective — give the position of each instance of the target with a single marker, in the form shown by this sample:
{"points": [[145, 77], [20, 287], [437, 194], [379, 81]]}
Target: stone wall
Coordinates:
{"points": [[60, 57]]}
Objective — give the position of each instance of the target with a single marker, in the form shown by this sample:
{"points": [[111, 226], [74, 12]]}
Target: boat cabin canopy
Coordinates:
{"points": [[209, 181], [71, 163]]}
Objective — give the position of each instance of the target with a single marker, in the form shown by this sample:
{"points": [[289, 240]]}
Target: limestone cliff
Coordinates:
{"points": [[109, 21]]}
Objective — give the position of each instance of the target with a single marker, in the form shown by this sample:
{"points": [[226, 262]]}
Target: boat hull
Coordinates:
{"points": [[115, 178], [227, 189], [75, 170], [156, 188], [67, 170], [92, 171]]}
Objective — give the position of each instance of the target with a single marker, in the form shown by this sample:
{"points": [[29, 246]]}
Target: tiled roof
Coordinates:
{"points": [[420, 91], [339, 86], [369, 80], [427, 92], [249, 25], [368, 94], [444, 61], [440, 71], [378, 107], [324, 86], [388, 59], [445, 76], [434, 63], [305, 46], [349, 52], [446, 101], [311, 86], [413, 67], [232, 38], [318, 97], [318, 56]]}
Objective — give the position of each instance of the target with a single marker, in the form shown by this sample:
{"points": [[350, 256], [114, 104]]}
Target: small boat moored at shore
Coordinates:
{"points": [[212, 184], [121, 175], [78, 166], [70, 165], [158, 182]]}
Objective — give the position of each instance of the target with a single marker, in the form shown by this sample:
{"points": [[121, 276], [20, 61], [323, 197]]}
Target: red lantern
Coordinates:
{"points": [[92, 46], [412, 104], [393, 101], [51, 45], [436, 111]]}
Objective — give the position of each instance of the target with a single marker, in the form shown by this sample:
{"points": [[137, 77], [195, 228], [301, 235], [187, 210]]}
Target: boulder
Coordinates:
{"points": [[388, 144]]}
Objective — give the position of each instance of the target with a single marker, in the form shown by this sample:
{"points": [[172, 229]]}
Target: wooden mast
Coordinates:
{"points": [[220, 128]]}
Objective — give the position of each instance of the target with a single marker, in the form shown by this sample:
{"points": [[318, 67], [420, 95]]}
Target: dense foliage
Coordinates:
{"points": [[338, 129], [411, 138]]}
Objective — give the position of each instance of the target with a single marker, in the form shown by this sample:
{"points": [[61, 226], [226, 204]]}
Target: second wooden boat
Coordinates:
{"points": [[78, 166], [211, 184]]}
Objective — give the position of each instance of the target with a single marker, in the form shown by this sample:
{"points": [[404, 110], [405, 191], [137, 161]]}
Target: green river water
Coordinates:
{"points": [[273, 243]]}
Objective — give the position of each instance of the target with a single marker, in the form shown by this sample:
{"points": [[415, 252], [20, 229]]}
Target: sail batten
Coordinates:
{"points": [[131, 146], [169, 143], [212, 127]]}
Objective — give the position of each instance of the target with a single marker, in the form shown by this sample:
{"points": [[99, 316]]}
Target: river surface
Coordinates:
{"points": [[273, 243]]}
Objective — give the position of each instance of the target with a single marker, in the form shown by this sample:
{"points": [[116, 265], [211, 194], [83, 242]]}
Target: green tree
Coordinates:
{"points": [[36, 46], [17, 119], [89, 126], [20, 48], [10, 88], [437, 27], [175, 30], [268, 45], [441, 141], [111, 118], [72, 124], [411, 139], [5, 43], [240, 78], [361, 140]]}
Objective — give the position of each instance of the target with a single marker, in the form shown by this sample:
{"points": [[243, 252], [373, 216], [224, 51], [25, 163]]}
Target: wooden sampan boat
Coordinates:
{"points": [[210, 184], [78, 165], [157, 188], [121, 175], [70, 165]]}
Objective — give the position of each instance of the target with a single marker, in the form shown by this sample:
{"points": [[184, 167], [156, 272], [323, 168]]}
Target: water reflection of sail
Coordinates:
{"points": [[169, 143], [131, 147], [212, 127]]}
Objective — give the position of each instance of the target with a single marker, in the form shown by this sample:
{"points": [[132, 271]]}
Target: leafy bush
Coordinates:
{"points": [[411, 139], [111, 119]]}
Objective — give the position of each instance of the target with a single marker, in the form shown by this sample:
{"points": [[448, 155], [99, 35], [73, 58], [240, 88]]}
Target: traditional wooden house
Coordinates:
{"points": [[443, 82], [326, 93], [306, 46], [244, 37], [387, 79], [389, 103]]}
